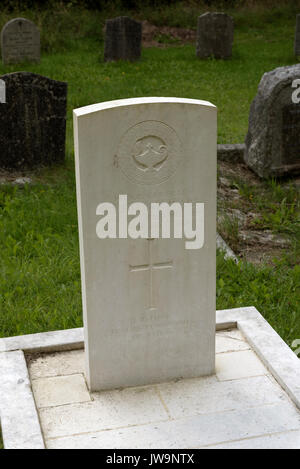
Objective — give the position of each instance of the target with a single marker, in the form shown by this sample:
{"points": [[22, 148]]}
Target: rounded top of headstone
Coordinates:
{"points": [[272, 141], [34, 80], [20, 41], [20, 21], [215, 14], [123, 19], [277, 79], [140, 101]]}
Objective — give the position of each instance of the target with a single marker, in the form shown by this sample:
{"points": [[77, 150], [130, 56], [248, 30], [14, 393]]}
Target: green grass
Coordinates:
{"points": [[40, 284], [73, 51], [39, 264], [276, 207], [273, 291], [231, 85]]}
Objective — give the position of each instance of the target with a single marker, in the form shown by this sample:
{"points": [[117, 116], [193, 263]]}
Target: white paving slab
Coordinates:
{"points": [[234, 334], [242, 399], [60, 390], [208, 395], [131, 406], [56, 364], [231, 341], [237, 365], [241, 412], [282, 362], [191, 432]]}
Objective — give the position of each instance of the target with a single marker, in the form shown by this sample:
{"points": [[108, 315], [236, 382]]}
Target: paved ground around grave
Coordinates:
{"points": [[242, 406]]}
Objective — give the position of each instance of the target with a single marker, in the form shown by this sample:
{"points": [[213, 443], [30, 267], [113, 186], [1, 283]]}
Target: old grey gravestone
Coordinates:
{"points": [[273, 138], [123, 39], [148, 289], [20, 41], [214, 35], [32, 121], [297, 36]]}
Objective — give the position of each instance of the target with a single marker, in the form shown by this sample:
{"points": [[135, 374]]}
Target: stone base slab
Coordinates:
{"points": [[246, 404], [232, 153]]}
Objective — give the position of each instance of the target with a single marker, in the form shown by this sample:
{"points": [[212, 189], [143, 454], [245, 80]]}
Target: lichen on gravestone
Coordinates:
{"points": [[272, 145], [32, 121]]}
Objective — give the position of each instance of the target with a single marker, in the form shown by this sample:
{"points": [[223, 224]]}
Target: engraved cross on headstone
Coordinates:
{"points": [[151, 267]]}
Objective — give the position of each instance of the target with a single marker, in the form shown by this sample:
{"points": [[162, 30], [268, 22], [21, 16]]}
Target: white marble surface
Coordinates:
{"points": [[275, 354], [143, 407], [241, 406], [68, 339], [191, 432], [59, 390], [148, 304], [240, 365], [19, 418]]}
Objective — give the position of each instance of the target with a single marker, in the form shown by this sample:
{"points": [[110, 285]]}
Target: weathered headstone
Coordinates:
{"points": [[273, 138], [148, 301], [214, 35], [297, 36], [20, 41], [123, 39], [32, 121]]}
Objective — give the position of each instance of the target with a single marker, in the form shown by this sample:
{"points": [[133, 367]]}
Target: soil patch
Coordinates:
{"points": [[166, 36]]}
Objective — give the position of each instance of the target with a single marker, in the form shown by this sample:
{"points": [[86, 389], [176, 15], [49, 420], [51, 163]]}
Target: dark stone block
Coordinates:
{"points": [[123, 39], [233, 153], [32, 121], [214, 35]]}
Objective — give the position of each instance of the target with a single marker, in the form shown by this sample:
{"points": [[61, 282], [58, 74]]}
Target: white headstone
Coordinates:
{"points": [[149, 303]]}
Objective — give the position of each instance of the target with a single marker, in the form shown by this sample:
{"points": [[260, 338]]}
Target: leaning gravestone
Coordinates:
{"points": [[20, 41], [123, 39], [273, 138], [148, 300], [297, 36], [32, 121], [214, 35]]}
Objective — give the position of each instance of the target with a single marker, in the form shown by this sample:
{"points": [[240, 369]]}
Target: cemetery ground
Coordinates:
{"points": [[40, 273]]}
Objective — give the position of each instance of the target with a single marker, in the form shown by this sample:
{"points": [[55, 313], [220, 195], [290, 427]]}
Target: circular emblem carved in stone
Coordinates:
{"points": [[149, 152]]}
